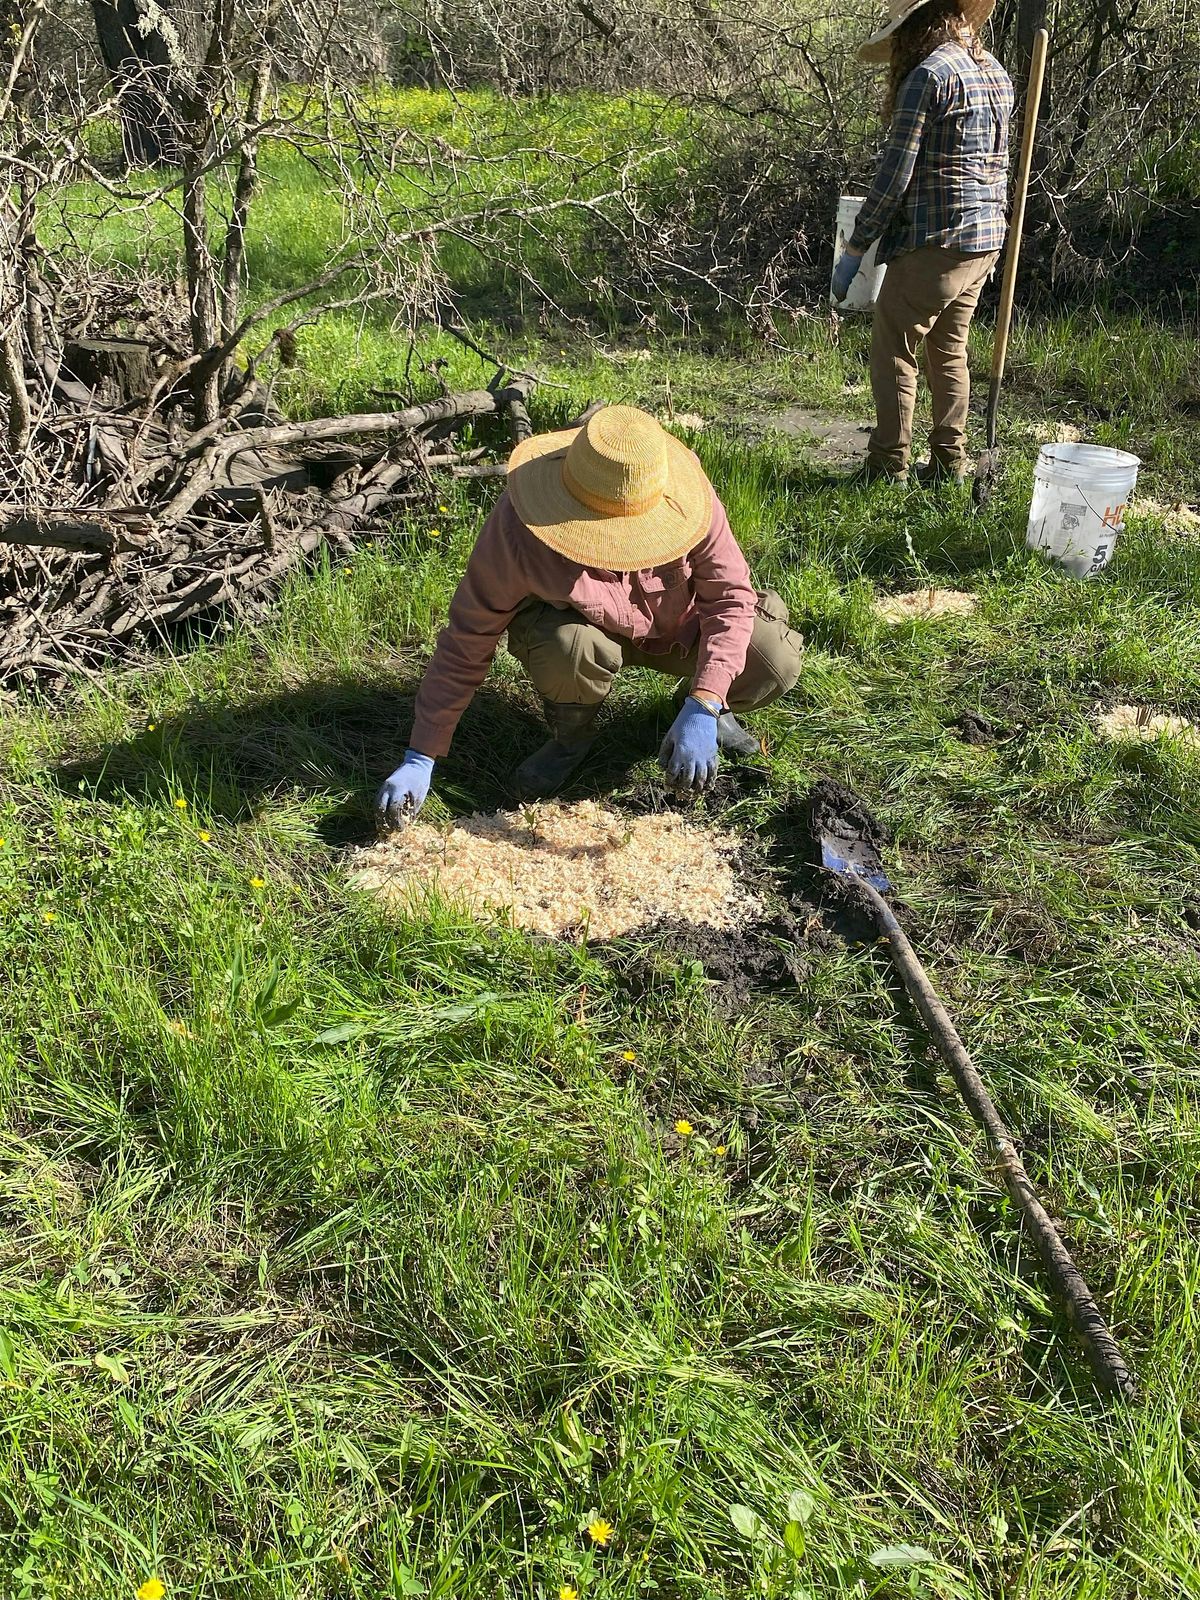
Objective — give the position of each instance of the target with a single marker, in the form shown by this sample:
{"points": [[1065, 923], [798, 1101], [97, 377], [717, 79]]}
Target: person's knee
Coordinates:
{"points": [[568, 660], [774, 658]]}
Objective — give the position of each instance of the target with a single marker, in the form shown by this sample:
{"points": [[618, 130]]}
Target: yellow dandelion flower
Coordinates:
{"points": [[444, 510], [435, 533], [628, 1055], [150, 727], [3, 842], [153, 1589], [599, 1531], [566, 1592], [181, 804], [258, 883], [49, 916], [719, 1149], [684, 1128], [203, 835]]}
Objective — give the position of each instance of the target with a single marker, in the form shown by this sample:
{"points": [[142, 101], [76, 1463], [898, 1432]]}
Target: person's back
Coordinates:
{"points": [[956, 196]]}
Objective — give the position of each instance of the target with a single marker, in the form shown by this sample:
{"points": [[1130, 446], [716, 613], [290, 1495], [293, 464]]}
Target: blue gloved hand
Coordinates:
{"points": [[406, 791], [844, 273], [689, 752]]}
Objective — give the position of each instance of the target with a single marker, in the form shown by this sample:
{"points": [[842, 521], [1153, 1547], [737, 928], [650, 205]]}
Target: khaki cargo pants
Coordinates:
{"points": [[572, 662], [928, 294]]}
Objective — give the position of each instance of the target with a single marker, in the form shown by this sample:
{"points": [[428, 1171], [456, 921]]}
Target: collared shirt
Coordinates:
{"points": [[704, 600], [943, 174]]}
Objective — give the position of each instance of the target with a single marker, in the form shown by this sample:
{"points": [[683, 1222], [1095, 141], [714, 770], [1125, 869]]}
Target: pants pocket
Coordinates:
{"points": [[770, 607]]}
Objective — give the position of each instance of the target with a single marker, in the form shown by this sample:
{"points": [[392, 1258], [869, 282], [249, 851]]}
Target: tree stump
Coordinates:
{"points": [[117, 371]]}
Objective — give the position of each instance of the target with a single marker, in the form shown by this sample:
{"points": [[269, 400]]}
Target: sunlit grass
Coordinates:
{"points": [[344, 1255]]}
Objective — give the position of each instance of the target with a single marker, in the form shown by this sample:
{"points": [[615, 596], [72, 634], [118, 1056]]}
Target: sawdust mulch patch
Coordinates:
{"points": [[920, 604], [560, 869], [1142, 724]]}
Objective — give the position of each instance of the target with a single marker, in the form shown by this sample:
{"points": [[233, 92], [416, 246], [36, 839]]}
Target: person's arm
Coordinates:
{"points": [[485, 602], [725, 600], [897, 160]]}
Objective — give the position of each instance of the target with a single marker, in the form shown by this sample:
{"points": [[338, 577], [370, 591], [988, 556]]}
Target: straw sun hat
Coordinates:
{"points": [[620, 493], [878, 47]]}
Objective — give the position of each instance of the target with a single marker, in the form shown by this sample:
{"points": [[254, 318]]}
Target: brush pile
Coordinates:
{"points": [[121, 516], [565, 870]]}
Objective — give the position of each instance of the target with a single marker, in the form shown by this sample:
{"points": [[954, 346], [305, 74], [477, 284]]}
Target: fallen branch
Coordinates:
{"points": [[66, 530]]}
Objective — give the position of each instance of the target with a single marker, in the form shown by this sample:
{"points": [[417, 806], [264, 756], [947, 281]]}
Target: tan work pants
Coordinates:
{"points": [[572, 662], [928, 294]]}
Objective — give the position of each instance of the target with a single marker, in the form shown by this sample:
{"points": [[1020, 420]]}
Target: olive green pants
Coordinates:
{"points": [[929, 294], [572, 662]]}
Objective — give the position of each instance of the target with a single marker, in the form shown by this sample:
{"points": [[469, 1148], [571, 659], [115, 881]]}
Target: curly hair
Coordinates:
{"points": [[937, 23]]}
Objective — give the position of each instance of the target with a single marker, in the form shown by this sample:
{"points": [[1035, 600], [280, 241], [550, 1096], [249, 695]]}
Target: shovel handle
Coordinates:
{"points": [[1016, 226], [1086, 1318]]}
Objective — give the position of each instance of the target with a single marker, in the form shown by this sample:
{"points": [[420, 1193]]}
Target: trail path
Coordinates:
{"points": [[836, 440]]}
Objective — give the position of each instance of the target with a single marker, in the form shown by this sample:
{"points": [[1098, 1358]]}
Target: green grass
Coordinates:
{"points": [[348, 1256]]}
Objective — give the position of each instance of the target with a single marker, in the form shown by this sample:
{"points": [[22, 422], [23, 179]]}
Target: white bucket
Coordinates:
{"points": [[864, 286], [1080, 492]]}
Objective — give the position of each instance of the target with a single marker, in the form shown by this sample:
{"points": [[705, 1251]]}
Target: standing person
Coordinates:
{"points": [[608, 549], [937, 208]]}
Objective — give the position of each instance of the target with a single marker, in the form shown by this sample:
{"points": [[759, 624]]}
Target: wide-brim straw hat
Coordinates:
{"points": [[620, 493], [878, 47]]}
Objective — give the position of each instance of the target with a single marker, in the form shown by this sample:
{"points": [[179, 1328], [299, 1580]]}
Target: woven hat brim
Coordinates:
{"points": [[552, 514], [877, 49]]}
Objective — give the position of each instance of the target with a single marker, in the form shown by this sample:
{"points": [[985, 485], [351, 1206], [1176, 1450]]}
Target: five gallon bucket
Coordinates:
{"points": [[1080, 492], [864, 287]]}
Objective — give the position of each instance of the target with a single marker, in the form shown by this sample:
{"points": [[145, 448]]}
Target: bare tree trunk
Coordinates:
{"points": [[146, 50], [1031, 15], [247, 178], [203, 275]]}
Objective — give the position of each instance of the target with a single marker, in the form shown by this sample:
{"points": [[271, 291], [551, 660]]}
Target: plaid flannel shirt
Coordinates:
{"points": [[943, 174]]}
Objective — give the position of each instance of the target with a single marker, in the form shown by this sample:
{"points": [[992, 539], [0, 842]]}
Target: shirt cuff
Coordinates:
{"points": [[714, 680], [429, 740]]}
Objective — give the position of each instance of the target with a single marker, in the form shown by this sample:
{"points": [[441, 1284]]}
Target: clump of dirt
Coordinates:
{"points": [[764, 954], [920, 604], [835, 812], [1139, 723], [973, 727]]}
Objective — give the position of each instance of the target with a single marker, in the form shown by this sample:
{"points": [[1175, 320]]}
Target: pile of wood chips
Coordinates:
{"points": [[1140, 723], [565, 869], [920, 603]]}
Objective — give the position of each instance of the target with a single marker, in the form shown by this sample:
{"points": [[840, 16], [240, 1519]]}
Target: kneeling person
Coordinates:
{"points": [[609, 548]]}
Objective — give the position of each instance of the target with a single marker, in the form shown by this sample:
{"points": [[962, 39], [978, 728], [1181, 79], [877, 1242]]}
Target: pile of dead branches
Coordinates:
{"points": [[126, 520]]}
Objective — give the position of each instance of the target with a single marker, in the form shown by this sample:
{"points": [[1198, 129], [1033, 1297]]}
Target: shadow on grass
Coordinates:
{"points": [[335, 740]]}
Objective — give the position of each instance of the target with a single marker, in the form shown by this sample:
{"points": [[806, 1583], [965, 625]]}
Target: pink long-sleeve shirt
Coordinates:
{"points": [[704, 598]]}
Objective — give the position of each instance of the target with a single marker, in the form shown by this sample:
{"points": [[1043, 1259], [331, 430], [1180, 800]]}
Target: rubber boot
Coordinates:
{"points": [[932, 474], [735, 739], [547, 769]]}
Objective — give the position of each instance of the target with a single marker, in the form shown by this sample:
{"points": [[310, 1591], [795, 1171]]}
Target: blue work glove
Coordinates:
{"points": [[406, 791], [844, 273], [689, 752]]}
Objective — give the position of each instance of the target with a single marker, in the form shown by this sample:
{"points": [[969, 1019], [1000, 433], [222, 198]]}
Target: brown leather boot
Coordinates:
{"points": [[573, 733]]}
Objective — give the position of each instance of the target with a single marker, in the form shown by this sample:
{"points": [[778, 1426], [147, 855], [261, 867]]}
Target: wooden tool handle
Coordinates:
{"points": [[1085, 1316], [1016, 226]]}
